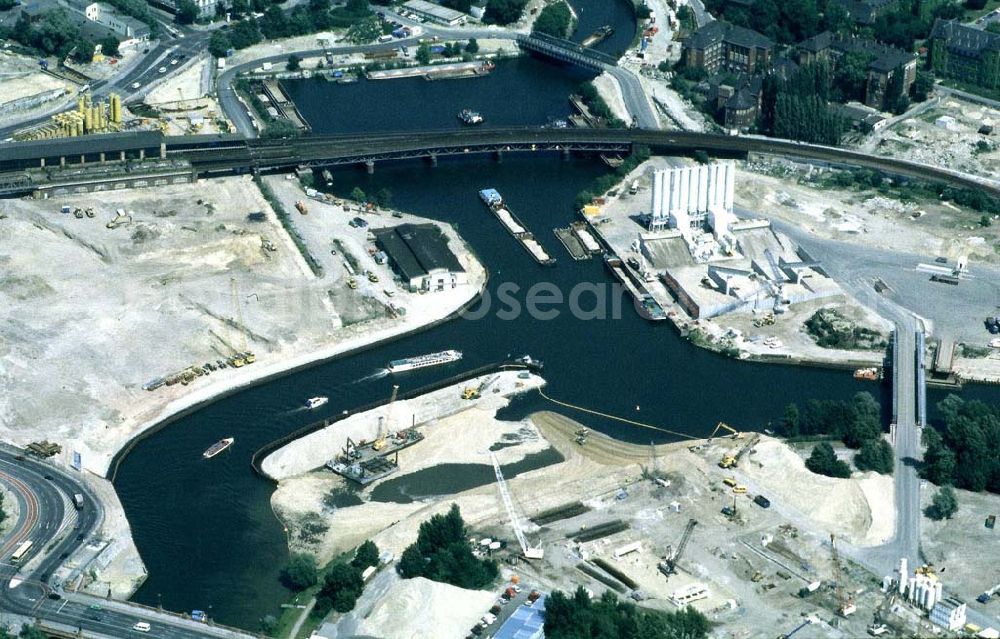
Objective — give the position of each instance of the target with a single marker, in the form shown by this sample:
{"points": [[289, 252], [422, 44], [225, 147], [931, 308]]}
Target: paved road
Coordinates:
{"points": [[47, 518]]}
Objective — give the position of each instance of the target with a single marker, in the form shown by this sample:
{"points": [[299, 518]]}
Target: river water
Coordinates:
{"points": [[206, 530]]}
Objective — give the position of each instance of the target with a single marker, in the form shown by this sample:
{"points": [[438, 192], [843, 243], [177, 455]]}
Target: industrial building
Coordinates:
{"points": [[693, 200], [435, 13], [949, 613], [125, 26], [420, 255], [527, 622]]}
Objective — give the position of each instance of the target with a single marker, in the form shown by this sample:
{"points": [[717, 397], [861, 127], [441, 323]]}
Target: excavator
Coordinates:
{"points": [[731, 461], [724, 426]]}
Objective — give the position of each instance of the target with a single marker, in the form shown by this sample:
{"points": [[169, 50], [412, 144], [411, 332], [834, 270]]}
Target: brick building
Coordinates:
{"points": [[965, 53], [720, 46]]}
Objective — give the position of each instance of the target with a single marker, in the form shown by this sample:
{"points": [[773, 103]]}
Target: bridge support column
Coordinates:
{"points": [[102, 157], [122, 156], [142, 154], [62, 161], [369, 167], [42, 163], [565, 155], [498, 156], [83, 159], [432, 159], [163, 150]]}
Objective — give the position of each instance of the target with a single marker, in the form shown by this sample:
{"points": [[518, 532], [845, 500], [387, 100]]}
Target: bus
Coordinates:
{"points": [[20, 553]]}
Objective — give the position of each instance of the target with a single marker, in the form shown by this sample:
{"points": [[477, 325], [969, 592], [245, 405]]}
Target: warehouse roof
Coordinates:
{"points": [[525, 623], [435, 10], [417, 249]]}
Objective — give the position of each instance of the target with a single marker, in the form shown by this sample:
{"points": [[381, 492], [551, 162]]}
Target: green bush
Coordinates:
{"points": [[554, 20], [300, 573], [341, 588], [943, 505], [607, 617], [875, 454], [823, 461]]}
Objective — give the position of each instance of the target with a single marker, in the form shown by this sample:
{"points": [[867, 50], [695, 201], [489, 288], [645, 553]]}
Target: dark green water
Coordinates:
{"points": [[206, 530]]}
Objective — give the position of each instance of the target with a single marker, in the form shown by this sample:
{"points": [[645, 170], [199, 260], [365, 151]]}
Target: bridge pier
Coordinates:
{"points": [[370, 167], [498, 156], [432, 159], [566, 155]]}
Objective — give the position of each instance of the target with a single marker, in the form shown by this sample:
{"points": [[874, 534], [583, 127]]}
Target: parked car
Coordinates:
{"points": [[762, 501]]}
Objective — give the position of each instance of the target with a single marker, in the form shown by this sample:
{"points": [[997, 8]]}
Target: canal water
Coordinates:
{"points": [[205, 528]]}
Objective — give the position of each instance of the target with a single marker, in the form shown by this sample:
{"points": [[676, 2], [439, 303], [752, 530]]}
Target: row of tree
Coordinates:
{"points": [[858, 423], [784, 21], [579, 617], [341, 582], [962, 452]]}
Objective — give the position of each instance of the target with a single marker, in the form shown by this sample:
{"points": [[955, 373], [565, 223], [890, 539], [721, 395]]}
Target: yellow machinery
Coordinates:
{"points": [[724, 426], [379, 442], [88, 117], [731, 461], [470, 393]]}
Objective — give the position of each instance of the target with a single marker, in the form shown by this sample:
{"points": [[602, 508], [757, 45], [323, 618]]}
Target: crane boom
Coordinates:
{"points": [[845, 605], [528, 551]]}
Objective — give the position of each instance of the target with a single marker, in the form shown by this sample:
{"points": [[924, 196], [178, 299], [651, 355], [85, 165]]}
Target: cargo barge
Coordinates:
{"points": [[579, 241], [492, 199], [365, 462], [647, 307], [598, 36]]}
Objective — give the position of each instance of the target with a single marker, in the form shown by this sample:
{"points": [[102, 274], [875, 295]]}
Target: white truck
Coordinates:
{"points": [[221, 64]]}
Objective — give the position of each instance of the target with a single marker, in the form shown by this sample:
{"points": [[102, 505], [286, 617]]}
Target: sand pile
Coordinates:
{"points": [[416, 608], [860, 509]]}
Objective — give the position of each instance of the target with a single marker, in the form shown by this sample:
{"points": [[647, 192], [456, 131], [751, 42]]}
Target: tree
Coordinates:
{"points": [[875, 454], [280, 129], [851, 76], [274, 24], [364, 30], [458, 5], [245, 33], [503, 11], [300, 573], [472, 47], [187, 12], [342, 586], [423, 54], [943, 505], [922, 85], [219, 45], [366, 555], [607, 617], [554, 20], [975, 5], [441, 553], [864, 422], [384, 198], [358, 195], [84, 51], [32, 632], [294, 63], [239, 8], [790, 421], [109, 45], [823, 461], [939, 461]]}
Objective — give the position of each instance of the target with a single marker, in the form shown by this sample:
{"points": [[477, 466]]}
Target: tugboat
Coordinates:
{"points": [[470, 117], [316, 402], [218, 447]]}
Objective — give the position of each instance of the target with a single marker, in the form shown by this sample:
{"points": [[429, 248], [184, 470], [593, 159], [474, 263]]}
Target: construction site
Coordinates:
{"points": [[732, 524]]}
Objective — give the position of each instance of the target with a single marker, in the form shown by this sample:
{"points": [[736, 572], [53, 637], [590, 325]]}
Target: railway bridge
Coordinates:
{"points": [[27, 167], [567, 51]]}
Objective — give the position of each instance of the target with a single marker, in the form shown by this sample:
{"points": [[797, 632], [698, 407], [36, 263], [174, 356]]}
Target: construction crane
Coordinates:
{"points": [[244, 356], [669, 565], [845, 604], [724, 426], [379, 442], [731, 461], [529, 552]]}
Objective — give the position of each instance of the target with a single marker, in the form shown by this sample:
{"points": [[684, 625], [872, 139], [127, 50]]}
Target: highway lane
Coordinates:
{"points": [[57, 530]]}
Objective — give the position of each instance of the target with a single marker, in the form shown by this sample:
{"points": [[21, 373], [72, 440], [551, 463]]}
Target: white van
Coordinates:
{"points": [[141, 626]]}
